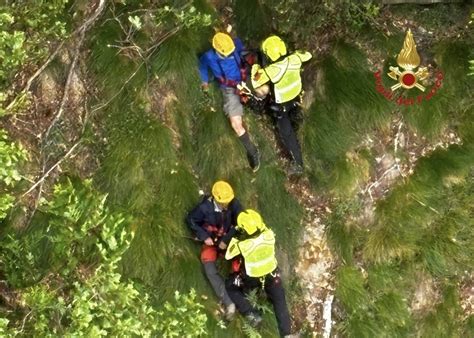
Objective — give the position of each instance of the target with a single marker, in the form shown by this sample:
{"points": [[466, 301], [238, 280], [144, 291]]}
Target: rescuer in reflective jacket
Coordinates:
{"points": [[213, 222], [255, 243], [283, 75]]}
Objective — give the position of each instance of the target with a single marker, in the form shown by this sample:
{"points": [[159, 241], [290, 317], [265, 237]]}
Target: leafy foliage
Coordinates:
{"points": [[11, 155], [82, 229], [20, 259], [92, 299], [182, 317], [11, 43], [340, 16], [27, 28], [4, 326]]}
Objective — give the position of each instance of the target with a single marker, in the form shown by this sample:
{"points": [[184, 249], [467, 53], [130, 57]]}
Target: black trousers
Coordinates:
{"points": [[238, 286], [287, 117]]}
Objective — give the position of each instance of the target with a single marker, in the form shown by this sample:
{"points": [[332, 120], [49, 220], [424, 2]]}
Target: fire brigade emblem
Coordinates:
{"points": [[408, 60]]}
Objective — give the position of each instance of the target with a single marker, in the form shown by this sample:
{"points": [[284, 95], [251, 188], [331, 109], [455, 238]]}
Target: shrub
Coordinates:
{"points": [[27, 29], [11, 155], [87, 296]]}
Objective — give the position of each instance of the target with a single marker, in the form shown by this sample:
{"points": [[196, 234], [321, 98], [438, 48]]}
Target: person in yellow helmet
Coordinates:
{"points": [[283, 76], [254, 243], [225, 63], [213, 222]]}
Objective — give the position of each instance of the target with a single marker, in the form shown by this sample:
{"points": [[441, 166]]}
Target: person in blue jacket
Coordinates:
{"points": [[225, 63]]}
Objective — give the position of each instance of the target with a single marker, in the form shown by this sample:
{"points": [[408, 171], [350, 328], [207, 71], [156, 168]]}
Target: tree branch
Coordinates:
{"points": [[45, 175], [82, 29], [66, 87]]}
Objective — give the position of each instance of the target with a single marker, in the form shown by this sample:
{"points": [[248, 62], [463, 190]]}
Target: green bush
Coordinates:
{"points": [[300, 20], [183, 317], [27, 29], [12, 52], [81, 229], [20, 259], [11, 155], [82, 293]]}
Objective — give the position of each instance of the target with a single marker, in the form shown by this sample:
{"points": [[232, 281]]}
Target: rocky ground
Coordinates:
{"points": [[317, 265]]}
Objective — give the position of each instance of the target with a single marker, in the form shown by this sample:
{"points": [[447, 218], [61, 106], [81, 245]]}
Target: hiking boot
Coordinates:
{"points": [[254, 161], [253, 318], [230, 312], [295, 169]]}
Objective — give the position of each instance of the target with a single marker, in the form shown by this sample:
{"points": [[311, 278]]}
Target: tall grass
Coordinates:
{"points": [[156, 180], [444, 319], [423, 199], [370, 314], [424, 223], [447, 106], [342, 232], [142, 169], [345, 109], [253, 20]]}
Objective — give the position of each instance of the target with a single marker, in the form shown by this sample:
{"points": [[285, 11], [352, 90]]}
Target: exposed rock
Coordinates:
{"points": [[316, 263], [467, 294], [48, 91], [426, 294]]}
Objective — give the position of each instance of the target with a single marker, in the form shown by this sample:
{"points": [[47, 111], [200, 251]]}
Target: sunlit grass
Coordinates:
{"points": [[444, 319], [423, 198], [424, 223], [369, 312], [447, 105], [346, 108]]}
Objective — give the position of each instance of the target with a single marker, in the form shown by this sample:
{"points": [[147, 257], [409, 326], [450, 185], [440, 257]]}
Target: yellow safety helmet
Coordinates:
{"points": [[250, 221], [222, 192], [274, 47], [223, 43]]}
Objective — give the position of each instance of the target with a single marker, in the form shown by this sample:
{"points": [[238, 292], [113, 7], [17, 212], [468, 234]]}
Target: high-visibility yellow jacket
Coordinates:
{"points": [[284, 74], [258, 253]]}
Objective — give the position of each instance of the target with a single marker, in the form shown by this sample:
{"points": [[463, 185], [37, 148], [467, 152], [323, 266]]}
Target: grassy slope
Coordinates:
{"points": [[423, 225], [137, 167], [157, 180], [149, 174]]}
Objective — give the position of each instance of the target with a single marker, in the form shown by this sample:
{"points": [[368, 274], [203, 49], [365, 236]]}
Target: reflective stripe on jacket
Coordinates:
{"points": [[258, 253], [284, 74]]}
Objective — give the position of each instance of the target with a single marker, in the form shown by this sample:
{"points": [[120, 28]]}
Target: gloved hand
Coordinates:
{"points": [[208, 241], [238, 281]]}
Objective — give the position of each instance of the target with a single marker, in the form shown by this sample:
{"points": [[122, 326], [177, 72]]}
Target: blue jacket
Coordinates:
{"points": [[205, 221], [225, 70]]}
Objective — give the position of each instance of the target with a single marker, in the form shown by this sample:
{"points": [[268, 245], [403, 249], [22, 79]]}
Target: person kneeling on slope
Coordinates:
{"points": [[255, 244], [213, 222]]}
